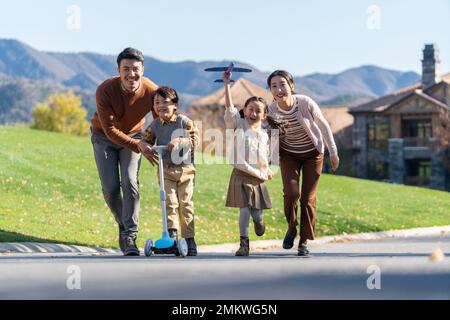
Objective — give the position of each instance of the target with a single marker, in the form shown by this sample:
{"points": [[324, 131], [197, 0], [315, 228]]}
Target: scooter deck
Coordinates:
{"points": [[171, 250]]}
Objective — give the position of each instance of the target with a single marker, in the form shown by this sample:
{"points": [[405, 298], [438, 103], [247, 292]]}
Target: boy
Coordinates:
{"points": [[180, 135]]}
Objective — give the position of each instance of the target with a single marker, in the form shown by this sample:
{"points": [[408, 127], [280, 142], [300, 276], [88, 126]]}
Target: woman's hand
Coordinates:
{"points": [[334, 163]]}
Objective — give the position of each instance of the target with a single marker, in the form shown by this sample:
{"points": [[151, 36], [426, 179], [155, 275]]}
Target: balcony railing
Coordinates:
{"points": [[418, 142]]}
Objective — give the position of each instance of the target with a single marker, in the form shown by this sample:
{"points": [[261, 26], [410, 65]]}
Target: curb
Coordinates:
{"points": [[368, 236], [34, 247]]}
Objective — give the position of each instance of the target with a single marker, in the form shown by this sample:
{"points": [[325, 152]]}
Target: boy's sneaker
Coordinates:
{"points": [[121, 240], [192, 247], [173, 233], [130, 247], [289, 238], [260, 227]]}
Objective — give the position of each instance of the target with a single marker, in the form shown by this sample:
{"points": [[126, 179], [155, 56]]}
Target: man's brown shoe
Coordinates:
{"points": [[130, 247]]}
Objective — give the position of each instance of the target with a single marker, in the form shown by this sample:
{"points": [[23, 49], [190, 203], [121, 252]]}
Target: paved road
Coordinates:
{"points": [[334, 271]]}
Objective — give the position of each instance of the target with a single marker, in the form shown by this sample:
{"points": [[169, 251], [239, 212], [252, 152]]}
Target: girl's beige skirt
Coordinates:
{"points": [[245, 190]]}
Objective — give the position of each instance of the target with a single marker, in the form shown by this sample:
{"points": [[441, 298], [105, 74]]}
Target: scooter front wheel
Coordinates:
{"points": [[182, 247], [148, 247]]}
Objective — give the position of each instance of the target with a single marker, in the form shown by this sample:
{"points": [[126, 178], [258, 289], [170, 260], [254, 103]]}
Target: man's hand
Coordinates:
{"points": [[148, 152], [173, 144], [334, 163]]}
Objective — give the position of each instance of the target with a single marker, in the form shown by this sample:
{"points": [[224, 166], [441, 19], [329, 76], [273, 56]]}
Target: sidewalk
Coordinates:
{"points": [[33, 247]]}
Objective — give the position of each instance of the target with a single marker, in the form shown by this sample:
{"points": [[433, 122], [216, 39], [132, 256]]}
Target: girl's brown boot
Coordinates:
{"points": [[244, 248]]}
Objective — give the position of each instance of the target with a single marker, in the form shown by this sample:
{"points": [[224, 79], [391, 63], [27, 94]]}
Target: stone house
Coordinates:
{"points": [[403, 137]]}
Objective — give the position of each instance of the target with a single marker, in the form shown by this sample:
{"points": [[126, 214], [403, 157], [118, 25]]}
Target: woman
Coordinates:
{"points": [[301, 151]]}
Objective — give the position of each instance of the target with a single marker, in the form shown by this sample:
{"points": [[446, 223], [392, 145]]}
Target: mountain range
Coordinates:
{"points": [[28, 75]]}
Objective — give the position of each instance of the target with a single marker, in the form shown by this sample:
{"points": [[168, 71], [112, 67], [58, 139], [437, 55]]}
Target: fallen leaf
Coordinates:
{"points": [[437, 255]]}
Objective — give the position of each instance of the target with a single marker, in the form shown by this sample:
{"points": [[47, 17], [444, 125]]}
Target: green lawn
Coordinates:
{"points": [[50, 192]]}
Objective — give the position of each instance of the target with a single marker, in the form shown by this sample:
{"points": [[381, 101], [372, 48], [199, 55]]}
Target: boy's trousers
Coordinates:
{"points": [[179, 186]]}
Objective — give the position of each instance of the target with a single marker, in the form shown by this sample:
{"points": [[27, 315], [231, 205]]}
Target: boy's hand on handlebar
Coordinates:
{"points": [[173, 144]]}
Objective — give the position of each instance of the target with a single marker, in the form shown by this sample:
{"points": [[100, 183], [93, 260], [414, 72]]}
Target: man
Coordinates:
{"points": [[122, 103]]}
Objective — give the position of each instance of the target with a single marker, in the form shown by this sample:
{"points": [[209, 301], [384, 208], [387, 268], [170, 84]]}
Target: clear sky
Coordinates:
{"points": [[298, 35]]}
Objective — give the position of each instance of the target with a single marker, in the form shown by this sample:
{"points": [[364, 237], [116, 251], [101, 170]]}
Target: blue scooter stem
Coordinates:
{"points": [[162, 192]]}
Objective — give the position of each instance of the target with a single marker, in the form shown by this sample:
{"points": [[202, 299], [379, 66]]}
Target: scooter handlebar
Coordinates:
{"points": [[159, 149]]}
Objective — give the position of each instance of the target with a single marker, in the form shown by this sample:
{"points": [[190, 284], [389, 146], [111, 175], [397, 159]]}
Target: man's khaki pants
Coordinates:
{"points": [[179, 187]]}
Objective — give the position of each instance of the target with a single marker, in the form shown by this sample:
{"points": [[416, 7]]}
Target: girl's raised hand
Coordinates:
{"points": [[226, 76]]}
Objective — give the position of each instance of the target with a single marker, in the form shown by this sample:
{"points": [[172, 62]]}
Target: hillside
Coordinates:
{"points": [[19, 96], [84, 71], [50, 192]]}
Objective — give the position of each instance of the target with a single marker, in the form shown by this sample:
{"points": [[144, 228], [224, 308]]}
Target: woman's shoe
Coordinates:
{"points": [[302, 251], [289, 238], [244, 249]]}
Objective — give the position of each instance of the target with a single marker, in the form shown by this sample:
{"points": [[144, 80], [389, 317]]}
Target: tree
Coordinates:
{"points": [[62, 112]]}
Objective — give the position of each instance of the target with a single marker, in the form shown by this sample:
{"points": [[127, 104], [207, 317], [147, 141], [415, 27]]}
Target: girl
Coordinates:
{"points": [[246, 189], [301, 150]]}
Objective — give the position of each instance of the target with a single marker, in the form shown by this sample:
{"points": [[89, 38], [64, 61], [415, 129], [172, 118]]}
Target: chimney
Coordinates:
{"points": [[430, 66]]}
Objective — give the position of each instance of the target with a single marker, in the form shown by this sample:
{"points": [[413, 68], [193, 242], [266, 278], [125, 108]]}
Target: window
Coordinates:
{"points": [[378, 170], [418, 172], [417, 128], [418, 168], [377, 135]]}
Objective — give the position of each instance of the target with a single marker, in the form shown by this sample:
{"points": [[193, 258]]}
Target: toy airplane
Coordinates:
{"points": [[230, 68]]}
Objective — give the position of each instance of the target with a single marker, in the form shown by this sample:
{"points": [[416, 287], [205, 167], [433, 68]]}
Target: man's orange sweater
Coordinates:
{"points": [[119, 113]]}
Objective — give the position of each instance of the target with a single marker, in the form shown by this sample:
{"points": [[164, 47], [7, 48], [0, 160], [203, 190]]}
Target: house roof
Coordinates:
{"points": [[381, 103], [338, 118], [385, 102], [445, 81], [420, 94]]}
